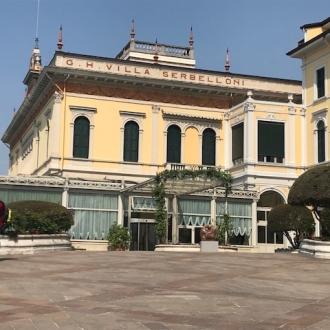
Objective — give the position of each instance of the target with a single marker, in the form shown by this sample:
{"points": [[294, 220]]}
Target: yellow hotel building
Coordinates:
{"points": [[92, 132]]}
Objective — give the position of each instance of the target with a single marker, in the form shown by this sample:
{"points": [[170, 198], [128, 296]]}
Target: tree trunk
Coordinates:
{"points": [[288, 236]]}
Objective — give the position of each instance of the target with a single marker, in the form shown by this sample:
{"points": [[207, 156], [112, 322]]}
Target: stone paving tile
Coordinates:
{"points": [[171, 291]]}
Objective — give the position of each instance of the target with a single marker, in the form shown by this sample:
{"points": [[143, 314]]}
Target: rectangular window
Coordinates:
{"points": [[320, 82], [237, 144], [270, 142]]}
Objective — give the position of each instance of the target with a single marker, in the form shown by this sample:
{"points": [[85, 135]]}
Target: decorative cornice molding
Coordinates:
{"points": [[150, 96]]}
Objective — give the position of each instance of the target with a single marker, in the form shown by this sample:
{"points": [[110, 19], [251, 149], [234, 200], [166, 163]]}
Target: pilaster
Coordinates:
{"points": [[249, 129]]}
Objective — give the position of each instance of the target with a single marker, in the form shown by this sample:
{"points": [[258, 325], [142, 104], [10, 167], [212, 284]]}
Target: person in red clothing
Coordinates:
{"points": [[2, 216]]}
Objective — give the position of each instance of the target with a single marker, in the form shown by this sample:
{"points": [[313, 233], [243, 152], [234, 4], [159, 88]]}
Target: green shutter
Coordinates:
{"points": [[320, 81], [208, 147], [81, 138], [320, 141], [173, 144], [237, 141], [270, 139], [131, 142]]}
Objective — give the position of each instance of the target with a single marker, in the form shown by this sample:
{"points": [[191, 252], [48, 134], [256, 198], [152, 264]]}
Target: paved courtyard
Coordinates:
{"points": [[160, 291]]}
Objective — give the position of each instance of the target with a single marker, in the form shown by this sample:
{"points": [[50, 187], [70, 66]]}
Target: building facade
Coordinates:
{"points": [[113, 123]]}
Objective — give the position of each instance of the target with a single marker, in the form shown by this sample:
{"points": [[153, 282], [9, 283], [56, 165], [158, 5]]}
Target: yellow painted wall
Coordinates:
{"points": [[313, 32], [191, 147]]}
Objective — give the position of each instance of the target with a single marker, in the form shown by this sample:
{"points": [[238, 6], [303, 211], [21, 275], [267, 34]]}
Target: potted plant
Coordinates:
{"points": [[119, 238]]}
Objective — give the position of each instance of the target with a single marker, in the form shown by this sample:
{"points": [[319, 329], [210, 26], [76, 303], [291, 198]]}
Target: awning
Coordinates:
{"points": [[184, 186]]}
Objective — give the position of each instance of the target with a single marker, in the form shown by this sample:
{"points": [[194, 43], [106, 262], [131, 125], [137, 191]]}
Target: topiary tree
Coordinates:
{"points": [[288, 218], [28, 217], [312, 188]]}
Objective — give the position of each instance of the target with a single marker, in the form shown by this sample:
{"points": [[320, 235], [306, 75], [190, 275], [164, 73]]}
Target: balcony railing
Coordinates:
{"points": [[171, 166]]}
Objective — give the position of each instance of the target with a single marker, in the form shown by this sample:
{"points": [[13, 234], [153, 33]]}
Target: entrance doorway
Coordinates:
{"points": [[143, 235]]}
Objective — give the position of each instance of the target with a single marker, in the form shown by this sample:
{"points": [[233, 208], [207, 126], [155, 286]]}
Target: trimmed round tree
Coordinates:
{"points": [[288, 218], [312, 189]]}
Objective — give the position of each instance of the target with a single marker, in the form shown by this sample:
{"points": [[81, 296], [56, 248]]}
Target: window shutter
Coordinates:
{"points": [[270, 139], [320, 77], [173, 144], [320, 141], [131, 142], [208, 147], [237, 141], [81, 138]]}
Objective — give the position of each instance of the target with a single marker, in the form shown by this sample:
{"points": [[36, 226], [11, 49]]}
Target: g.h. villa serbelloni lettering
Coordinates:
{"points": [[171, 75]]}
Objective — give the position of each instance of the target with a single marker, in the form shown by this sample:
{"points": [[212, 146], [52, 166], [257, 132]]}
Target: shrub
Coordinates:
{"points": [[312, 188], [119, 237], [288, 218], [30, 217]]}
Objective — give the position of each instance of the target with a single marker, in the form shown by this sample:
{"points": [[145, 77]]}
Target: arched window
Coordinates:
{"points": [[81, 137], [173, 144], [131, 142], [320, 141], [208, 147]]}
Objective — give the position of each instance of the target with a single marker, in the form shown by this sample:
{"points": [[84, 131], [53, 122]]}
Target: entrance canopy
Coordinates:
{"points": [[179, 186]]}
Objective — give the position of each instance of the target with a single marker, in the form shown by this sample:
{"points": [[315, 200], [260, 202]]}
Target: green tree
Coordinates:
{"points": [[286, 218], [312, 189], [224, 229]]}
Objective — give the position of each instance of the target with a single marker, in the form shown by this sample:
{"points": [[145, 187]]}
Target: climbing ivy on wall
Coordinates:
{"points": [[224, 179]]}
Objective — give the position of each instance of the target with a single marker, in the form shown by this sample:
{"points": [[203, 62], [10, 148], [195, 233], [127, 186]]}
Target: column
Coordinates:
{"points": [[175, 230], [217, 152], [303, 137], [249, 130], [120, 214], [182, 147], [254, 232], [227, 141], [154, 148], [65, 195], [213, 211], [55, 131], [200, 149], [165, 149], [140, 158], [290, 138]]}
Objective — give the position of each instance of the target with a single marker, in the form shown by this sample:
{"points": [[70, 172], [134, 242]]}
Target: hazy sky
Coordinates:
{"points": [[258, 34]]}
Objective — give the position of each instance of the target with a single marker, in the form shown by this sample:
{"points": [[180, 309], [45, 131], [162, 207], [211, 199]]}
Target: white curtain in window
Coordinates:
{"points": [[199, 212], [93, 201], [92, 224], [238, 208], [194, 206], [194, 220], [242, 226], [235, 208], [14, 195]]}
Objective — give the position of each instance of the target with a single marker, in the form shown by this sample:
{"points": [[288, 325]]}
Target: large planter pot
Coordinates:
{"points": [[30, 244], [317, 249]]}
